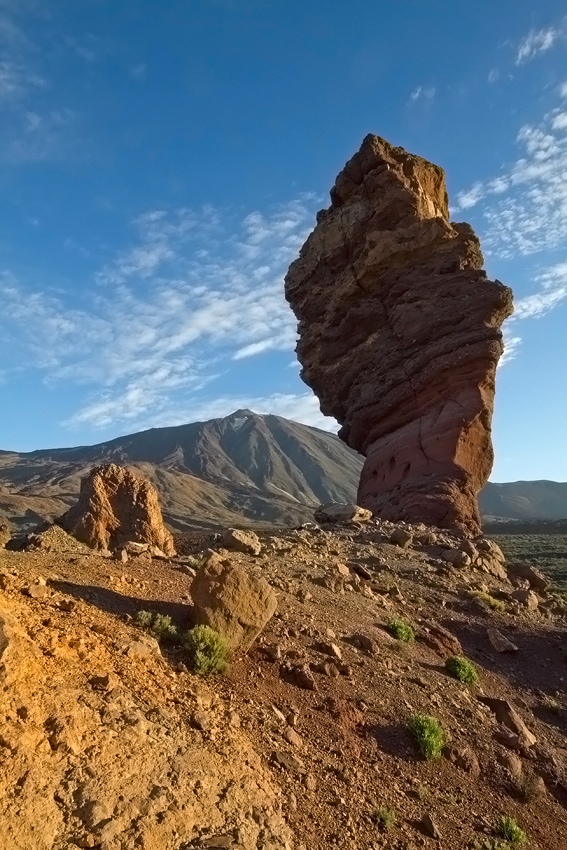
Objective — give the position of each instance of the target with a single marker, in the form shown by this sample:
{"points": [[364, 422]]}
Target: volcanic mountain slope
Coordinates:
{"points": [[525, 500], [243, 467]]}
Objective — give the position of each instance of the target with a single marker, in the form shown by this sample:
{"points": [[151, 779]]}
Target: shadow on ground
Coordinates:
{"points": [[121, 605]]}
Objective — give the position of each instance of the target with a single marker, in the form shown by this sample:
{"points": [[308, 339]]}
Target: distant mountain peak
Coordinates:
{"points": [[244, 411]]}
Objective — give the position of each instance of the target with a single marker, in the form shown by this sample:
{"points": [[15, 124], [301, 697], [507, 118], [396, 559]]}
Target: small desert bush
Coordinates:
{"points": [[551, 704], [462, 669], [510, 830], [159, 625], [384, 817], [528, 787], [207, 649], [487, 600], [401, 630], [428, 735]]}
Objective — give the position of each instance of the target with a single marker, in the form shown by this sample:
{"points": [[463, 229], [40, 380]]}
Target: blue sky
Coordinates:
{"points": [[161, 164]]}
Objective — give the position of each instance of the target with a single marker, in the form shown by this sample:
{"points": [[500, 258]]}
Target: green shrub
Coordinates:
{"points": [[208, 651], [509, 829], [160, 625], [384, 817], [487, 600], [428, 734], [462, 669], [401, 630]]}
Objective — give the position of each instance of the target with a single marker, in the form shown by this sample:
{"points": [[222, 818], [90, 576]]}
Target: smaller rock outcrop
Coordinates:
{"points": [[5, 533], [114, 508], [233, 601]]}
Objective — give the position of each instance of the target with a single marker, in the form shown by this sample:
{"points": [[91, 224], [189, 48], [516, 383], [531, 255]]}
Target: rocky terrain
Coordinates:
{"points": [[110, 740], [399, 336]]}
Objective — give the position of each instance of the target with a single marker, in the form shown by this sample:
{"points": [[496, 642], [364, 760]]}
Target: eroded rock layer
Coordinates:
{"points": [[116, 507], [399, 336]]}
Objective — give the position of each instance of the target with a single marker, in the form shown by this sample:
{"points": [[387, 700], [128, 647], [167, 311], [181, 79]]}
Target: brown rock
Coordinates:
{"points": [[241, 541], [429, 826], [466, 759], [233, 601], [400, 537], [114, 509], [38, 591], [526, 598], [537, 580], [512, 763], [507, 715], [440, 639], [399, 336], [499, 641], [298, 675], [342, 512], [5, 533], [457, 557]]}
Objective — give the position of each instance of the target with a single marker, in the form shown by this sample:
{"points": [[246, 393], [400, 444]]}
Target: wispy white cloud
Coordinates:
{"points": [[17, 80], [423, 93], [552, 284], [559, 121], [511, 347], [536, 42], [300, 407], [563, 89], [31, 131], [525, 213], [525, 207], [193, 293], [493, 75]]}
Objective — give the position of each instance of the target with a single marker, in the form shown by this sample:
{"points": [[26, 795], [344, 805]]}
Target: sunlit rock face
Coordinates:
{"points": [[399, 336]]}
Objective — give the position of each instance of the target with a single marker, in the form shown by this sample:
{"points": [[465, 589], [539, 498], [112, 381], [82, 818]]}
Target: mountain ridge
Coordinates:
{"points": [[245, 468]]}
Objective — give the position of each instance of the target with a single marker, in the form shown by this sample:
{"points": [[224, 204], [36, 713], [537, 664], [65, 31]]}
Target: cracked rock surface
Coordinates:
{"points": [[399, 336]]}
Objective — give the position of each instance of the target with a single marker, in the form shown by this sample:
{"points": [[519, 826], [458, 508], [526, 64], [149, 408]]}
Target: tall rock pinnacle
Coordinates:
{"points": [[399, 336]]}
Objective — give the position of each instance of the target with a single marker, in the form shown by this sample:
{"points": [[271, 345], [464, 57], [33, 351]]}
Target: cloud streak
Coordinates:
{"points": [[525, 213], [193, 292], [537, 42], [525, 206], [423, 93]]}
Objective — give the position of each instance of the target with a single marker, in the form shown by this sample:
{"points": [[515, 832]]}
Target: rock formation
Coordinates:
{"points": [[399, 336], [114, 508], [232, 600]]}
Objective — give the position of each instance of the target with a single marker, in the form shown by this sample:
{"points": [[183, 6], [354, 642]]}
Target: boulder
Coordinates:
{"points": [[526, 598], [507, 715], [339, 512], [499, 641], [234, 601], [457, 557], [5, 533], [402, 538], [116, 509], [241, 541], [537, 580], [399, 336], [441, 640]]}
